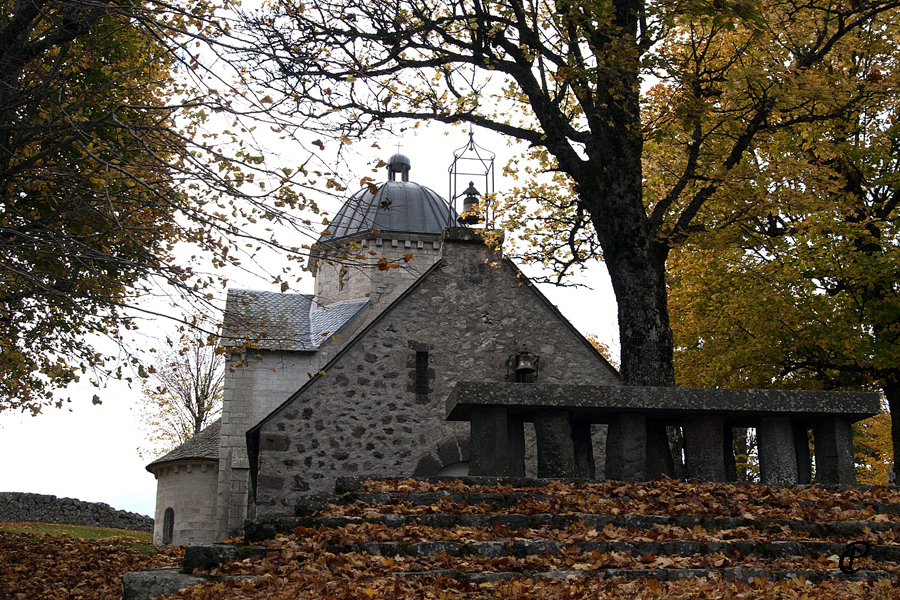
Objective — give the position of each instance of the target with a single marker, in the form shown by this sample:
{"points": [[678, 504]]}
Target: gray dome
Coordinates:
{"points": [[395, 207]]}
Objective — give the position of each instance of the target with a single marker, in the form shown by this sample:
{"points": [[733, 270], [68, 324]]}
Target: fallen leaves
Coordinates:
{"points": [[570, 558], [61, 567]]}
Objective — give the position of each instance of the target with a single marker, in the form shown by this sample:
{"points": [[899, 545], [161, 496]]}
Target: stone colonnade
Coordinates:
{"points": [[636, 442]]}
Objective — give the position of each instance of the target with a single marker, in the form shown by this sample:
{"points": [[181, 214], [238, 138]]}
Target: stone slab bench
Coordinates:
{"points": [[637, 417]]}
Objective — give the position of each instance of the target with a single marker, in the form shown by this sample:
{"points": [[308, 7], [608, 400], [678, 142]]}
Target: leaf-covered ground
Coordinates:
{"points": [[338, 562], [41, 566]]}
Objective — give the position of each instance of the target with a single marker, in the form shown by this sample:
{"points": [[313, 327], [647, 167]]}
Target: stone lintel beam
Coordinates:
{"points": [[600, 403]]}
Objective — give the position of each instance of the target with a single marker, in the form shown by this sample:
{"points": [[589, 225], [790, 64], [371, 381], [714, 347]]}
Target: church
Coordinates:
{"points": [[353, 379]]}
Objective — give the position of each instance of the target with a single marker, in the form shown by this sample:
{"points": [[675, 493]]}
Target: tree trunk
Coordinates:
{"points": [[891, 387], [645, 335], [610, 187]]}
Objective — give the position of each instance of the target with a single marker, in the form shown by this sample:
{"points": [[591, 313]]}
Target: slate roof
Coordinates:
{"points": [[204, 445], [397, 207], [326, 322], [275, 321]]}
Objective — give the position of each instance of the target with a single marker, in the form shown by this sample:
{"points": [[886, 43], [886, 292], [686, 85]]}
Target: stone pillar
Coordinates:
{"points": [[555, 449], [489, 443], [584, 449], [515, 435], [626, 448], [703, 447], [801, 447], [834, 451], [777, 454]]}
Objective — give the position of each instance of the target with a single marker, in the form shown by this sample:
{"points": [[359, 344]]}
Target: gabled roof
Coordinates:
{"points": [[526, 282], [276, 321], [202, 446]]}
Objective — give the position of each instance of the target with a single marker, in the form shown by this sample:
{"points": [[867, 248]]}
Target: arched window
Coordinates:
{"points": [[168, 526], [457, 469]]}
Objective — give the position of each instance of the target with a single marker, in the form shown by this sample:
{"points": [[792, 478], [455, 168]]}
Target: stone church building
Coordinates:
{"points": [[353, 379]]}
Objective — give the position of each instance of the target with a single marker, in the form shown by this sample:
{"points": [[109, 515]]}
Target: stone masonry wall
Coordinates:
{"points": [[364, 279], [253, 388], [189, 489], [17, 506], [363, 416]]}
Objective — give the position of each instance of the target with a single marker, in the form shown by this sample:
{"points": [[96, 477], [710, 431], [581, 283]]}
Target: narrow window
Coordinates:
{"points": [[168, 526], [421, 372]]}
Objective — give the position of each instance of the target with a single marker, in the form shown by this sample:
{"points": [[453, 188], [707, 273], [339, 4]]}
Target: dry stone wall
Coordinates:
{"points": [[18, 506]]}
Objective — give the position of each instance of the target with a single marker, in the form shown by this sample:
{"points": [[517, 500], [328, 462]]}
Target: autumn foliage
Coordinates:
{"points": [[60, 567], [387, 541], [380, 545]]}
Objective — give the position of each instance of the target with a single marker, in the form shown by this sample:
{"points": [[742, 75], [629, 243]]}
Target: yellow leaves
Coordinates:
{"points": [[369, 183]]}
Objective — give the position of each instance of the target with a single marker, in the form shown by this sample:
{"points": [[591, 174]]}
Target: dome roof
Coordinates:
{"points": [[395, 207]]}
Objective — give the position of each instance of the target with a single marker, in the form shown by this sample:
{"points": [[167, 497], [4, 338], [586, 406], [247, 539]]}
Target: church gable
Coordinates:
{"points": [[378, 409]]}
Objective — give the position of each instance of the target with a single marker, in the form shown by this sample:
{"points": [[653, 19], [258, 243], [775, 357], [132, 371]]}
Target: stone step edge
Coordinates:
{"points": [[523, 548], [345, 484], [152, 583], [742, 574], [307, 504], [258, 530]]}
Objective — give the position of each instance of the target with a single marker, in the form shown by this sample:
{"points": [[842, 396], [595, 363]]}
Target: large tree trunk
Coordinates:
{"points": [[611, 189], [639, 283], [891, 387]]}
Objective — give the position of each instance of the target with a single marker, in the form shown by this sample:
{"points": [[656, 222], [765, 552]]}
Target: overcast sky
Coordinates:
{"points": [[90, 452]]}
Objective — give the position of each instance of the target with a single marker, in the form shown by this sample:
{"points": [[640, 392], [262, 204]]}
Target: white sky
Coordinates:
{"points": [[90, 452]]}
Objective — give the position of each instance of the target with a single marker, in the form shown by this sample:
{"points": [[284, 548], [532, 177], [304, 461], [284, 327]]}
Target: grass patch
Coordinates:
{"points": [[141, 541]]}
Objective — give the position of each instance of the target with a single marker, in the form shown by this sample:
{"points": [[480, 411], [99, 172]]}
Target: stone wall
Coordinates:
{"points": [[363, 279], [253, 388], [189, 488], [17, 506], [364, 415]]}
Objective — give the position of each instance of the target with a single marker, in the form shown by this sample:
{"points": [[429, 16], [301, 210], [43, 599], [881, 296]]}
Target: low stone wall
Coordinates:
{"points": [[18, 506]]}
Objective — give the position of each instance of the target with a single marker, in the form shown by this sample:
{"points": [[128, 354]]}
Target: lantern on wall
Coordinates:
{"points": [[522, 366]]}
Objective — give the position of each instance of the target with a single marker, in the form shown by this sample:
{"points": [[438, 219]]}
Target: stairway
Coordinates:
{"points": [[503, 538], [480, 530]]}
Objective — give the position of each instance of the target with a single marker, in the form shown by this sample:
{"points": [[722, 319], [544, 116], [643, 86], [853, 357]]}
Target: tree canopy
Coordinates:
{"points": [[183, 394], [802, 290], [565, 78], [111, 182]]}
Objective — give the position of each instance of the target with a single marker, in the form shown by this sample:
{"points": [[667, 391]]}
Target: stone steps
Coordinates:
{"points": [[262, 530], [637, 549], [742, 574], [496, 512], [485, 532]]}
